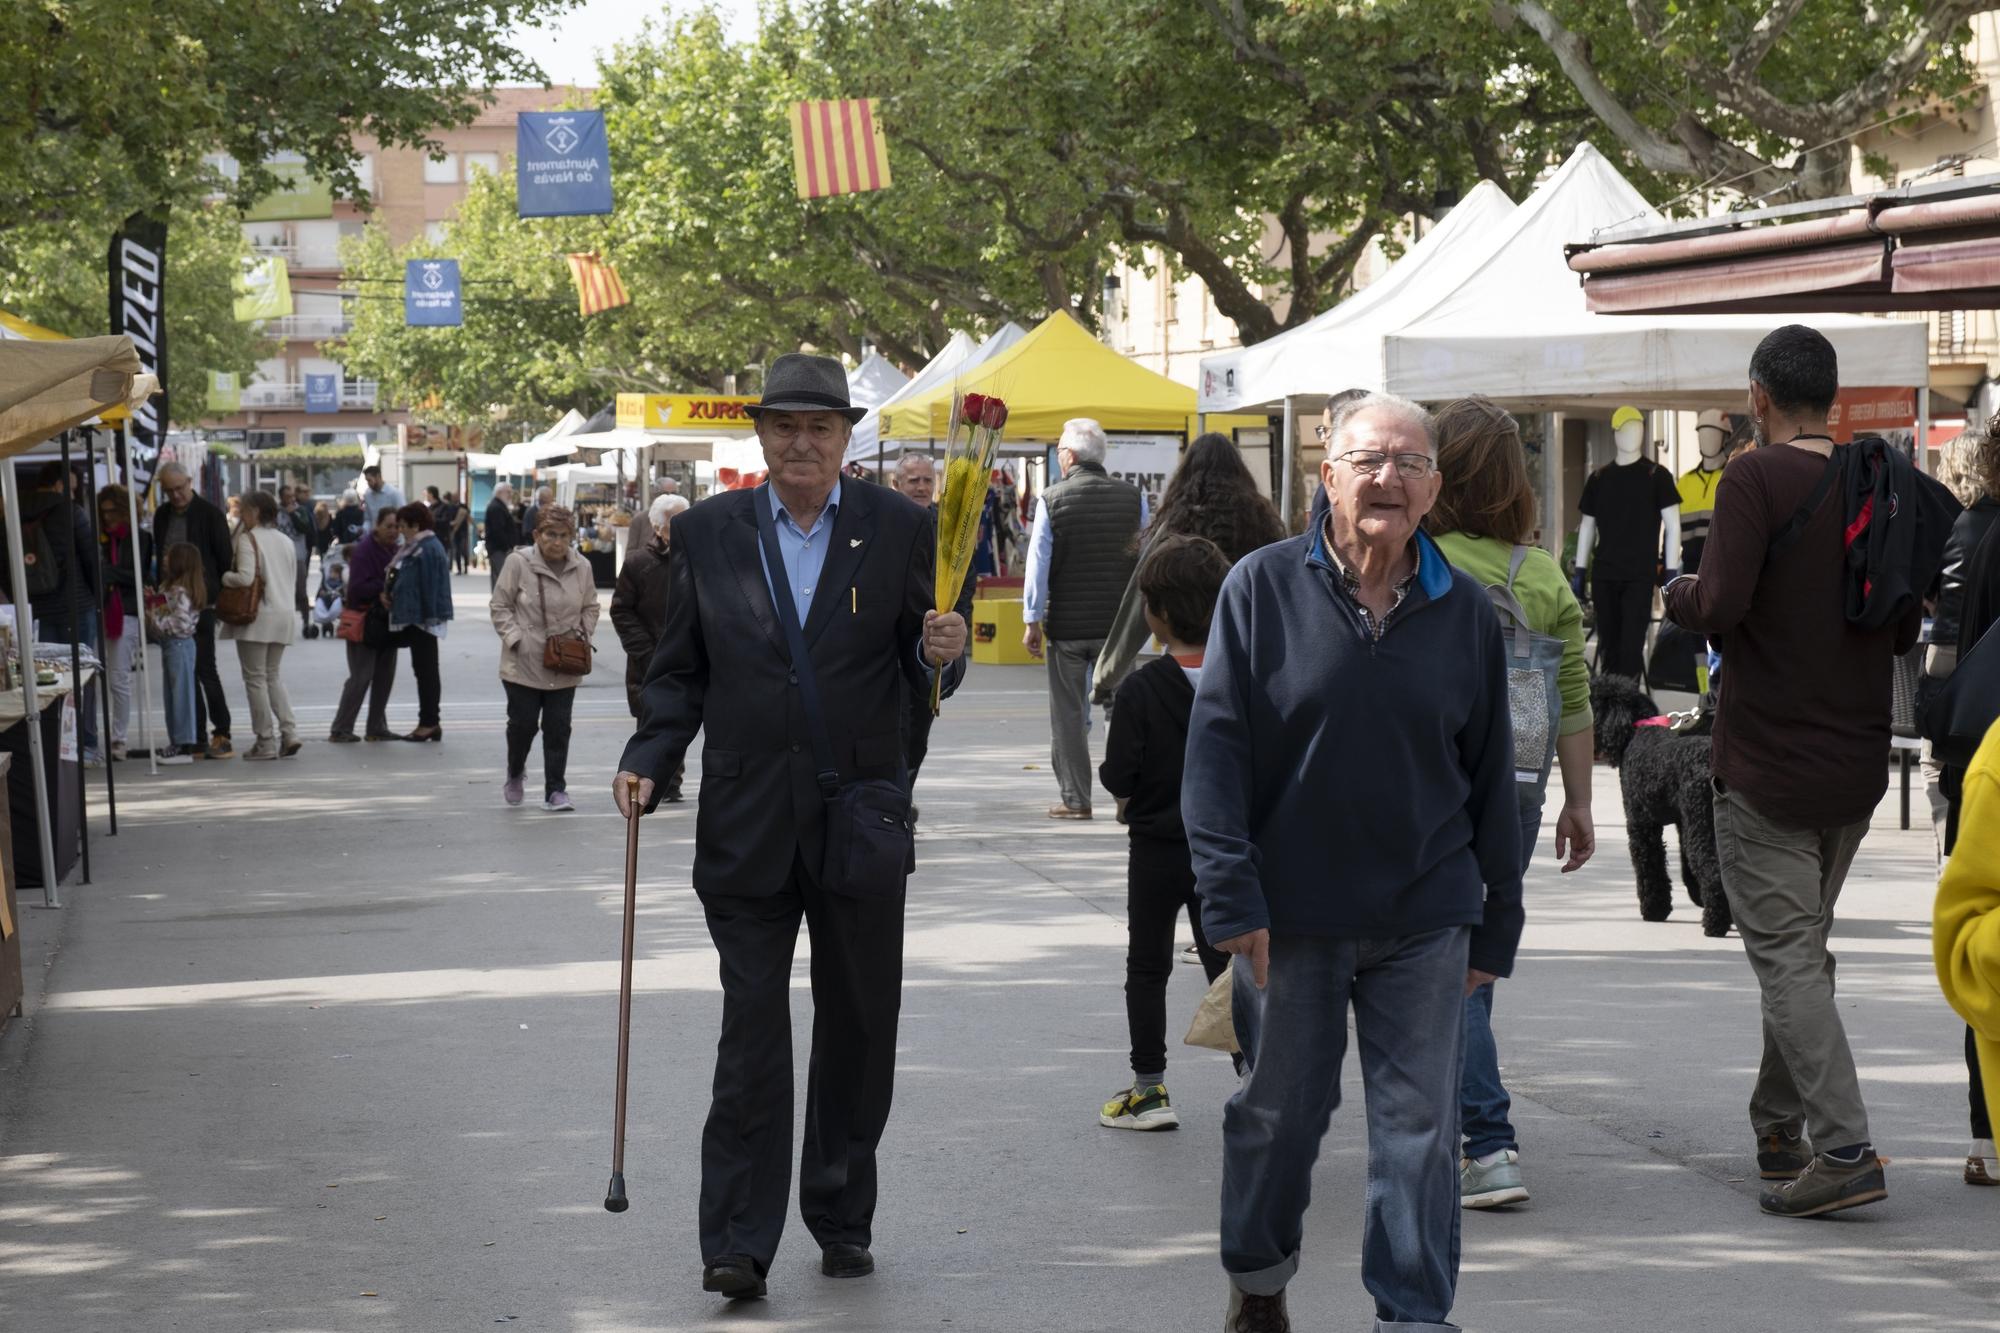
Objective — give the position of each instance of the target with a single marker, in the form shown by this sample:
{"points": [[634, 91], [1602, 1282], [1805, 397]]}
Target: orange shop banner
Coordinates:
{"points": [[693, 413], [1871, 411]]}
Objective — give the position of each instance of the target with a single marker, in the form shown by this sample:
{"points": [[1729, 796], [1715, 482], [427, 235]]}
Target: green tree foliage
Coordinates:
{"points": [[111, 105], [1262, 145], [725, 265], [1759, 99], [60, 281]]}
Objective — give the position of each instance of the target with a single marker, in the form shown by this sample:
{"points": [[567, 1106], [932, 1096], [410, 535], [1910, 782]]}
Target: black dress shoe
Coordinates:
{"points": [[843, 1260], [733, 1276]]}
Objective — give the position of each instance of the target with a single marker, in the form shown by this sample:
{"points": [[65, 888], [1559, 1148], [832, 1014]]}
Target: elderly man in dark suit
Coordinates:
{"points": [[855, 563]]}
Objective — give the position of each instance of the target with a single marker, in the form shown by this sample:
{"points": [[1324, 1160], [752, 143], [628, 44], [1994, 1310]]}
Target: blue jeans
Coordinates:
{"points": [[177, 661], [1482, 1098], [1407, 995]]}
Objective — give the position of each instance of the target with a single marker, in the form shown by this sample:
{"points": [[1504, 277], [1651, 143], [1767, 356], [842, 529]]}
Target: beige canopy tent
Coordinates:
{"points": [[46, 387]]}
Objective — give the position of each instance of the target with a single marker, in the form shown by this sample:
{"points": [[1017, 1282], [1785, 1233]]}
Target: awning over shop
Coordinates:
{"points": [[1934, 247], [1057, 372]]}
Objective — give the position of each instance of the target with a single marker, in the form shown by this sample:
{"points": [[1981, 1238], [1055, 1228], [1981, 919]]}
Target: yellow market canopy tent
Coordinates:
{"points": [[1057, 372]]}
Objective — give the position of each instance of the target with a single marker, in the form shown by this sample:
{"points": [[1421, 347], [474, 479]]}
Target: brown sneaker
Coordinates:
{"points": [[219, 747], [1068, 812], [1980, 1164], [1828, 1185], [1255, 1314], [1780, 1158]]}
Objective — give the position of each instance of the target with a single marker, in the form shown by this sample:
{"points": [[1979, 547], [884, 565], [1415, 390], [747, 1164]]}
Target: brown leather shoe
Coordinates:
{"points": [[1068, 812]]}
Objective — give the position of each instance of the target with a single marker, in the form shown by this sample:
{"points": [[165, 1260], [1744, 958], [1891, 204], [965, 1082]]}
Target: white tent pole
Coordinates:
{"points": [[139, 649], [1923, 428], [17, 567], [1290, 463]]}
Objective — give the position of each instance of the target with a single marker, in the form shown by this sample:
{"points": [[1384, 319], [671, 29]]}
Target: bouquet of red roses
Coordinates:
{"points": [[970, 443]]}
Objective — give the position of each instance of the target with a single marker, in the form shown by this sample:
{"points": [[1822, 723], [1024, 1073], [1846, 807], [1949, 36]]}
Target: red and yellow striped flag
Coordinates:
{"points": [[597, 285], [838, 148]]}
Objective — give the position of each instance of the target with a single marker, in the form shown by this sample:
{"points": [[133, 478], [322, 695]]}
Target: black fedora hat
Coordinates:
{"points": [[801, 383]]}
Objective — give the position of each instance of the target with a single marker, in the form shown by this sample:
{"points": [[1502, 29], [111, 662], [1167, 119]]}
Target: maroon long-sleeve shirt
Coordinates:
{"points": [[1803, 728]]}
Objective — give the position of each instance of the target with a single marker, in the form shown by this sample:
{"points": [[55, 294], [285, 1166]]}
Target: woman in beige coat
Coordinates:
{"points": [[545, 590], [264, 553]]}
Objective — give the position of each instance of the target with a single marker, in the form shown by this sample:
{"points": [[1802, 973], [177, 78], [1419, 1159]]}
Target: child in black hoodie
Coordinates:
{"points": [[1178, 581]]}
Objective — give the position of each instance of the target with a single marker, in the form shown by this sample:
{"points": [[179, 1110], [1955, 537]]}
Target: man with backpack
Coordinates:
{"points": [[1809, 585]]}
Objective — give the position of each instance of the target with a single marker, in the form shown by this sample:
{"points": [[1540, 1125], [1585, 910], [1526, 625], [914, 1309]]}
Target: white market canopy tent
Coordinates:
{"points": [[1514, 326], [874, 382], [523, 457], [957, 356], [1300, 360]]}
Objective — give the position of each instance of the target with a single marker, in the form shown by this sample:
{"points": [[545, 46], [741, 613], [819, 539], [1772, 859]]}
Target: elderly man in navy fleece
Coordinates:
{"points": [[1349, 801]]}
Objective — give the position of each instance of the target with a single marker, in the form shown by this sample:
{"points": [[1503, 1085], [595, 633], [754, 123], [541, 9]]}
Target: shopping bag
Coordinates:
{"points": [[1214, 1026]]}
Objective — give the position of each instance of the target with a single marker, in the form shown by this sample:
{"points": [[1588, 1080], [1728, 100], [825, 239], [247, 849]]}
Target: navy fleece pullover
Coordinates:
{"points": [[1338, 785]]}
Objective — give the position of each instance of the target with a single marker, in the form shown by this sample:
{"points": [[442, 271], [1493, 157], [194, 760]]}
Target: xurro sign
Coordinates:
{"points": [[708, 414], [138, 308]]}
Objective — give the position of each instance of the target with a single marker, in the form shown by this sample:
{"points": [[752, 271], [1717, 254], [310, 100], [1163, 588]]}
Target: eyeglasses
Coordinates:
{"points": [[1410, 466], [819, 431]]}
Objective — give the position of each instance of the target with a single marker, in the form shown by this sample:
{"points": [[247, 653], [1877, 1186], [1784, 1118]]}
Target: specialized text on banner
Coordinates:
{"points": [[138, 272], [322, 393], [431, 293], [562, 167]]}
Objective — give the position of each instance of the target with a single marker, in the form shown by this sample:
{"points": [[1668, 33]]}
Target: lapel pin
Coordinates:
{"points": [[853, 542]]}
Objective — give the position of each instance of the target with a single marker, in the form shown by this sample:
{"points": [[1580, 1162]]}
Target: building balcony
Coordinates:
{"points": [[265, 396], [309, 326]]}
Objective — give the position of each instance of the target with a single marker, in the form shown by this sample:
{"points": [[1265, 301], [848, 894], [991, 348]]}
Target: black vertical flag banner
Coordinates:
{"points": [[138, 308]]}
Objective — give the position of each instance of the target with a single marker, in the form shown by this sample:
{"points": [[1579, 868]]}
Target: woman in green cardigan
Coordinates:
{"points": [[1485, 510]]}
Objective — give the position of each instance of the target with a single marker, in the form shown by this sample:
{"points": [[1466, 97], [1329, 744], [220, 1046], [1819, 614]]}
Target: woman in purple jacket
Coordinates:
{"points": [[371, 667]]}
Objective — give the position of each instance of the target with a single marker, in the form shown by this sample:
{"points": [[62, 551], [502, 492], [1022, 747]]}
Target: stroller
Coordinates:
{"points": [[327, 601]]}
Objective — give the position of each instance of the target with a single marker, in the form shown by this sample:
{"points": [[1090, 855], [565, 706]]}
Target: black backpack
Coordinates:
{"points": [[38, 553], [1895, 521]]}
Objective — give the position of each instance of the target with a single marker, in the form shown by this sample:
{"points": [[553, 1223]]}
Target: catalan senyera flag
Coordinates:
{"points": [[597, 285], [838, 148]]}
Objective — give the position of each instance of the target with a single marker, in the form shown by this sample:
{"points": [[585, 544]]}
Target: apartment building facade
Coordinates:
{"points": [[411, 193]]}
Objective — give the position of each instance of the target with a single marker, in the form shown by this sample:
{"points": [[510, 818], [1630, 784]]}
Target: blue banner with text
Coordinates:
{"points": [[562, 167], [431, 293], [322, 393]]}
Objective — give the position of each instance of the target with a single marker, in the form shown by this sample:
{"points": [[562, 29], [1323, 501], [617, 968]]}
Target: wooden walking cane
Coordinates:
{"points": [[614, 1197]]}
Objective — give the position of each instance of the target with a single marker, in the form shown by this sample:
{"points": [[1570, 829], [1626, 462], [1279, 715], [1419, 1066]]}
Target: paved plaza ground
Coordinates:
{"points": [[328, 1045]]}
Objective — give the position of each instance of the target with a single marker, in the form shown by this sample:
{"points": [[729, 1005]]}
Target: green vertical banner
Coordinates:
{"points": [[263, 289], [225, 392]]}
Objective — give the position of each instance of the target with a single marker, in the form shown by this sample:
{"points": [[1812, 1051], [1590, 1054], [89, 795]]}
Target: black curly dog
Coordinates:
{"points": [[1664, 779]]}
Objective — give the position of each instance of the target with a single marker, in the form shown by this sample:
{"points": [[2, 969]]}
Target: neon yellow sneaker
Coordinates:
{"points": [[1140, 1108]]}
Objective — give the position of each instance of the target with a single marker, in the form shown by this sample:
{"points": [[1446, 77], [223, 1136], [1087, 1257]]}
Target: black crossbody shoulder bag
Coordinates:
{"points": [[871, 846]]}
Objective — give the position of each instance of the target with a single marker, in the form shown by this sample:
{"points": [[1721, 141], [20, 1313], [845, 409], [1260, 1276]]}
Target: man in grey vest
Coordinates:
{"points": [[1080, 556]]}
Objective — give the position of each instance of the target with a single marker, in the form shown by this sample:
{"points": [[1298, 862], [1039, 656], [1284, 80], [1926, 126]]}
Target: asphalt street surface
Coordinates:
{"points": [[328, 1046]]}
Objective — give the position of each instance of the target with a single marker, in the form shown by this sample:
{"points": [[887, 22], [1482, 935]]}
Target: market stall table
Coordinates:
{"points": [[65, 779]]}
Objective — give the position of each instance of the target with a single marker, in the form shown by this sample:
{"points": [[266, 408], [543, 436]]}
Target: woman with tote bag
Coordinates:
{"points": [[256, 610]]}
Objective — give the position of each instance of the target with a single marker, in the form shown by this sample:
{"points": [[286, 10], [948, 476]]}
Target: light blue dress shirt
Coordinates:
{"points": [[804, 553], [1042, 550]]}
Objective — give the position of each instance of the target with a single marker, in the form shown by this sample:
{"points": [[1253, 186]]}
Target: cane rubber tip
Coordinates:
{"points": [[614, 1198]]}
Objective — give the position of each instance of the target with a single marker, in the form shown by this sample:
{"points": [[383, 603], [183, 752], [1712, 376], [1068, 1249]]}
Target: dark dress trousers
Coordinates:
{"points": [[722, 669]]}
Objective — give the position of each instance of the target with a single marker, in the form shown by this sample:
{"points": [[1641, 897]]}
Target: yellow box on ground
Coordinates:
{"points": [[997, 628]]}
